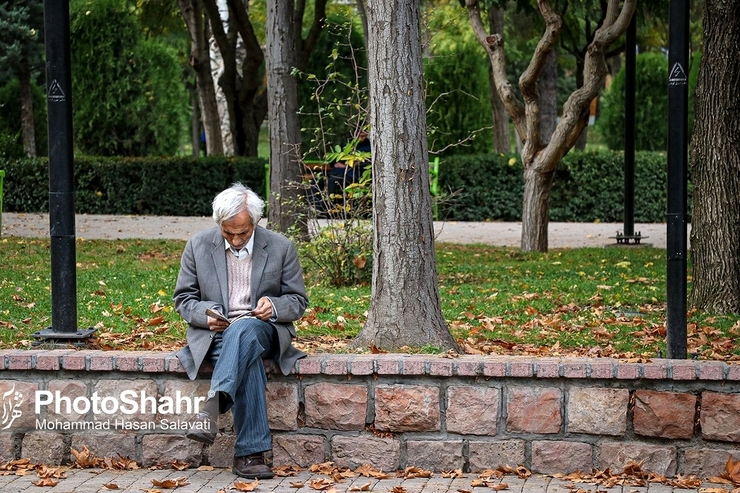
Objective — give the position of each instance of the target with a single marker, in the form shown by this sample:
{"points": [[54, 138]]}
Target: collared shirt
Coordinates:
{"points": [[246, 250]]}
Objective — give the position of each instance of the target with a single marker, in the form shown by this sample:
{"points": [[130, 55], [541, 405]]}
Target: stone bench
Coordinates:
{"points": [[389, 410]]}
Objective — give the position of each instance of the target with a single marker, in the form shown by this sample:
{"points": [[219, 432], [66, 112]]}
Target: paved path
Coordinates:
{"points": [[561, 235], [222, 480]]}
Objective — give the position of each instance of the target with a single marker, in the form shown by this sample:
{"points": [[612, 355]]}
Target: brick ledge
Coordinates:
{"points": [[390, 364]]}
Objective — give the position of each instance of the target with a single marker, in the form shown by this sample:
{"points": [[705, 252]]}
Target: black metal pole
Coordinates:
{"points": [[629, 130], [61, 174], [678, 129]]}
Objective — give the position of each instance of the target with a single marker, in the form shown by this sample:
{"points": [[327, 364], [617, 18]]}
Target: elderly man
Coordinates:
{"points": [[253, 277]]}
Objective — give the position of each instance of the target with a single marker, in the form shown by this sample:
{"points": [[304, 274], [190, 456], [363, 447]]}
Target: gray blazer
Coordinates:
{"points": [[202, 283]]}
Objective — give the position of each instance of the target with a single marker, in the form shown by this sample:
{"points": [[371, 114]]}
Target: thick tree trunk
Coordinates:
{"points": [[405, 306], [27, 130], [285, 137], [536, 208], [501, 137], [715, 164], [201, 62]]}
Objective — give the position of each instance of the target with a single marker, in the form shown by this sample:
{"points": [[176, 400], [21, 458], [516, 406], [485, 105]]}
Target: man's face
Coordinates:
{"points": [[238, 231]]}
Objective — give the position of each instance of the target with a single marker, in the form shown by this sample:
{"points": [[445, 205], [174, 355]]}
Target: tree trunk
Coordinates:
{"points": [[27, 130], [501, 137], [201, 62], [405, 305], [549, 96], [715, 164], [285, 137], [536, 208]]}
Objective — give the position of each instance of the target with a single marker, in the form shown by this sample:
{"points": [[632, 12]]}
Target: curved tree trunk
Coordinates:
{"points": [[405, 306], [501, 137], [536, 209], [715, 164], [200, 60], [285, 137]]}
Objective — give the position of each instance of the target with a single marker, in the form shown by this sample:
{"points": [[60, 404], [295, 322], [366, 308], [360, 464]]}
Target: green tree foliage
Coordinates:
{"points": [[10, 120], [128, 92], [21, 36], [332, 93], [459, 111], [651, 106]]}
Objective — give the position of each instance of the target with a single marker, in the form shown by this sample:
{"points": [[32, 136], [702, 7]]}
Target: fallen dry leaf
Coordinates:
{"points": [[398, 489], [111, 486], [45, 482], [245, 485], [364, 487], [170, 483]]}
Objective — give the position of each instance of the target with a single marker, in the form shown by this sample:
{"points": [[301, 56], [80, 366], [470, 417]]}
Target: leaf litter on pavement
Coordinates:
{"points": [[632, 475]]}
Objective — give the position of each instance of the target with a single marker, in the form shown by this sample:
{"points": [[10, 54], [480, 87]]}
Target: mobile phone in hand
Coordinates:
{"points": [[218, 315]]}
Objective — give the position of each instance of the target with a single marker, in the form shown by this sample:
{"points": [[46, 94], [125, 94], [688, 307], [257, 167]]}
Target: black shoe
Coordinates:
{"points": [[202, 428], [252, 467]]}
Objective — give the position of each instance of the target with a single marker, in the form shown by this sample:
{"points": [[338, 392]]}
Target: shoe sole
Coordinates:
{"points": [[208, 439], [253, 476]]}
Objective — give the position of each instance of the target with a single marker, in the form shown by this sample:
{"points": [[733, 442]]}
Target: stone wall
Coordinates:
{"points": [[392, 411]]}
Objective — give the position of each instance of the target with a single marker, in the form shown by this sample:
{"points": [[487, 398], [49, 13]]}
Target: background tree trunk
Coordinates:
{"points": [[285, 137], [549, 96], [201, 62], [501, 137], [27, 130], [405, 305], [715, 164]]}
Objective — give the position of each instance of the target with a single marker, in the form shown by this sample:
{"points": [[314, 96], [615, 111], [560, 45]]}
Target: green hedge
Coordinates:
{"points": [[149, 186], [588, 186]]}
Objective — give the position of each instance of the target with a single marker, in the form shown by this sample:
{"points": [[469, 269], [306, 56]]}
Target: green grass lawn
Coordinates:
{"points": [[589, 301]]}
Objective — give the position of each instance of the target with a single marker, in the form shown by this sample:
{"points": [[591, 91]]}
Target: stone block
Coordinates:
{"points": [[160, 449], [435, 455], [720, 416], [472, 410], [18, 400], [550, 457], [44, 447], [109, 393], [334, 406], [105, 444], [7, 447], [301, 450], [282, 405], [65, 393], [381, 453], [187, 396], [664, 414], [221, 453], [490, 455], [598, 411], [533, 410], [705, 463], [658, 459], [400, 408]]}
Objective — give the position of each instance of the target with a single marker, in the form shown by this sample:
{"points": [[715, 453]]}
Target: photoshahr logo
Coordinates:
{"points": [[12, 401]]}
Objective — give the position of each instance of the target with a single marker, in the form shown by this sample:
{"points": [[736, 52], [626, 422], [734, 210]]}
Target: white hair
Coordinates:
{"points": [[235, 199]]}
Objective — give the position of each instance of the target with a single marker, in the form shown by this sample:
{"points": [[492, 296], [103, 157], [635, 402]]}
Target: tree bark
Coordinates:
{"points": [[549, 94], [201, 62], [27, 130], [539, 155], [715, 164], [501, 137], [405, 305], [285, 137]]}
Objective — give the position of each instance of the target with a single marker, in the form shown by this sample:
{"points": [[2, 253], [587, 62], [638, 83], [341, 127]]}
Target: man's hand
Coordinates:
{"points": [[217, 325], [263, 311]]}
